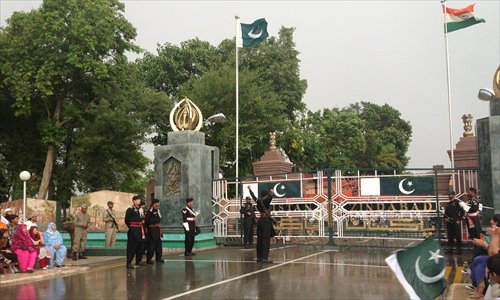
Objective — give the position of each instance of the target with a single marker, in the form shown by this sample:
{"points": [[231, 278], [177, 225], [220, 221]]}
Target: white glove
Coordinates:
{"points": [[186, 226], [480, 207], [464, 206]]}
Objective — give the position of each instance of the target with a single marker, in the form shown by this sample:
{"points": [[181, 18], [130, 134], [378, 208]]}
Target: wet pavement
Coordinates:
{"points": [[298, 272]]}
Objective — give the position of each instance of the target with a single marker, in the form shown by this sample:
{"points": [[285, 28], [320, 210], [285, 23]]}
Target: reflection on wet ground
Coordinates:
{"points": [[298, 272]]}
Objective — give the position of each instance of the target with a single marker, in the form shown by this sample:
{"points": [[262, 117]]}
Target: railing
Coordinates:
{"points": [[335, 203]]}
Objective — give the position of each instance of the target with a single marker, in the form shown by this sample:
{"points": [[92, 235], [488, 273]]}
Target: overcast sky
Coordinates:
{"points": [[378, 51]]}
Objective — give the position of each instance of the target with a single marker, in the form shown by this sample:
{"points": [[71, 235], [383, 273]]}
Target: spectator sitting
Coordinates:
{"points": [[493, 289], [24, 247], [54, 242], [31, 222], [6, 252], [43, 252], [13, 224]]}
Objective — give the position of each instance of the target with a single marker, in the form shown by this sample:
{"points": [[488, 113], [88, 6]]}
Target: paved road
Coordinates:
{"points": [[298, 272]]}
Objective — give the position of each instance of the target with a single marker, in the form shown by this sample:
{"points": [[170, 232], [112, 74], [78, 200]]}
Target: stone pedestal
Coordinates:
{"points": [[488, 133], [185, 168], [271, 163]]}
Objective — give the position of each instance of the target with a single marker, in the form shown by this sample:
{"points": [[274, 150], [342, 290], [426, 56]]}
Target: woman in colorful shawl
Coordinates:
{"points": [[43, 252], [54, 242], [23, 246]]}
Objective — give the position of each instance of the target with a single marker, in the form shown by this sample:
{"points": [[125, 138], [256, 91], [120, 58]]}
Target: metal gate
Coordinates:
{"points": [[335, 203]]}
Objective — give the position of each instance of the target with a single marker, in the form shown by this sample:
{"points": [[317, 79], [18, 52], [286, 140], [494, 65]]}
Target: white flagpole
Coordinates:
{"points": [[449, 94], [237, 104]]}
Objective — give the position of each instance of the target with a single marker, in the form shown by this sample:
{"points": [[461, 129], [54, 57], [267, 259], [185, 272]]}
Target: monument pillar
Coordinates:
{"points": [[488, 133], [185, 168]]}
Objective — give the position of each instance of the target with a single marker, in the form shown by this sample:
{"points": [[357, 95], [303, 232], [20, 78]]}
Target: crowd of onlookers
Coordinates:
{"points": [[23, 247], [485, 267]]}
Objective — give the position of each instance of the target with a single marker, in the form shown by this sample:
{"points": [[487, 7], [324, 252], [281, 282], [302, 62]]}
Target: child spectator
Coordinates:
{"points": [[7, 252], [54, 242]]}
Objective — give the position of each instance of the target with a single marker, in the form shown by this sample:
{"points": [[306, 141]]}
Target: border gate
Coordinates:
{"points": [[346, 204]]}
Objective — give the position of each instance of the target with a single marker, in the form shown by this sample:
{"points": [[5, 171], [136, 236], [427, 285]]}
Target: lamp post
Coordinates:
{"points": [[24, 176]]}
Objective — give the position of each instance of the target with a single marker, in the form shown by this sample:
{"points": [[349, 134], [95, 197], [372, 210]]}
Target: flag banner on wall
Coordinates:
{"points": [[283, 189], [410, 185]]}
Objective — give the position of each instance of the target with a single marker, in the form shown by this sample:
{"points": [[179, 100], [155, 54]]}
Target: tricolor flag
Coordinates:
{"points": [[420, 269], [251, 34], [460, 18]]}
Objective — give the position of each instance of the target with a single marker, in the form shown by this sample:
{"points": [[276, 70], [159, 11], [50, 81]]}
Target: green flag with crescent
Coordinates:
{"points": [[420, 269], [252, 34]]}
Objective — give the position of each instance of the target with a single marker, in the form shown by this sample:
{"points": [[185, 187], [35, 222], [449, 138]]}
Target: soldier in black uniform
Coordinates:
{"points": [[248, 212], [136, 235], [472, 215], [453, 215], [189, 223], [265, 228], [154, 234]]}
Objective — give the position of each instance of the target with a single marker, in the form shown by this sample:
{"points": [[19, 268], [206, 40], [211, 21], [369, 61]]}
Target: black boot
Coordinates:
{"points": [[81, 256], [74, 256]]}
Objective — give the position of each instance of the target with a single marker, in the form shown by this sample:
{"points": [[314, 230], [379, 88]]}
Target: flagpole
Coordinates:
{"points": [[237, 104], [449, 94]]}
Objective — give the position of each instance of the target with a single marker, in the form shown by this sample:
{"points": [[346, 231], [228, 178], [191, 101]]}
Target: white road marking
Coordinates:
{"points": [[243, 276]]}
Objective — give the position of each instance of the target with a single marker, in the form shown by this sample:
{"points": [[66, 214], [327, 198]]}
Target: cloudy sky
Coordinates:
{"points": [[378, 51]]}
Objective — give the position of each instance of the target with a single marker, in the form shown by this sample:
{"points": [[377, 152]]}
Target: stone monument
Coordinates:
{"points": [[185, 167], [488, 134]]}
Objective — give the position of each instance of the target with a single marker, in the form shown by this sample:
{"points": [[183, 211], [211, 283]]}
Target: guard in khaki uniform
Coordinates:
{"points": [[82, 221], [111, 225]]}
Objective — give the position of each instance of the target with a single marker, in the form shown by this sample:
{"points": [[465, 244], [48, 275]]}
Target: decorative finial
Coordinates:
{"points": [[185, 115], [272, 136], [467, 125]]}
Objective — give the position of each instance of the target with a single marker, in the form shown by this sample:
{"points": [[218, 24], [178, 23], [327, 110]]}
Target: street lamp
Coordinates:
{"points": [[215, 119], [24, 176]]}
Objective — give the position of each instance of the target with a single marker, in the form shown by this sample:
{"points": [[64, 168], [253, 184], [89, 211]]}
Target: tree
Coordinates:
{"points": [[52, 57], [363, 135], [269, 83], [260, 113]]}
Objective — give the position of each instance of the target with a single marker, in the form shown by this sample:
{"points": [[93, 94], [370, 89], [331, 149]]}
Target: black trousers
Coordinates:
{"points": [[135, 247], [188, 241], [264, 227], [453, 231], [154, 247], [248, 231]]}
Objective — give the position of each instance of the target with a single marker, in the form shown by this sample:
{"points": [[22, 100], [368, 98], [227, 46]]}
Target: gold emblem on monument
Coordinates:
{"points": [[185, 115]]}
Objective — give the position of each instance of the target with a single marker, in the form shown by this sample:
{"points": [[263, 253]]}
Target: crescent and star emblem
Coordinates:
{"points": [[428, 279], [275, 188], [255, 35], [402, 189]]}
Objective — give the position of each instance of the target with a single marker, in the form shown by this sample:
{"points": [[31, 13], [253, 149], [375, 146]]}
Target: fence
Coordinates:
{"points": [[335, 203]]}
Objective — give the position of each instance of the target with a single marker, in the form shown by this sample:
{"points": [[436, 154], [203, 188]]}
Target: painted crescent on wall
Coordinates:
{"points": [[402, 189], [276, 190], [185, 115]]}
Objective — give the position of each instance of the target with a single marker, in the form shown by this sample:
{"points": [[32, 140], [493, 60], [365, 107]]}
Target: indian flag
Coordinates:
{"points": [[460, 18]]}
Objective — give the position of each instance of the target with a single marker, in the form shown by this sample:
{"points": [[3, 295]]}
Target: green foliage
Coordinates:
{"points": [[363, 135], [65, 82]]}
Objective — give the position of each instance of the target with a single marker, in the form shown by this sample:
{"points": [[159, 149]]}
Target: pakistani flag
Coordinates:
{"points": [[410, 185], [251, 34], [460, 18], [283, 189], [397, 186], [420, 269]]}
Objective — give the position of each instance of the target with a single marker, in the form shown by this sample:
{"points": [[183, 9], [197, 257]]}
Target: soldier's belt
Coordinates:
{"points": [[154, 225]]}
